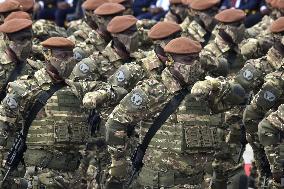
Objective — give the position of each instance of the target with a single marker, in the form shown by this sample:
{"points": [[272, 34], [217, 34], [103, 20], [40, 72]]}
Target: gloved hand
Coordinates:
{"points": [[95, 99], [202, 89]]}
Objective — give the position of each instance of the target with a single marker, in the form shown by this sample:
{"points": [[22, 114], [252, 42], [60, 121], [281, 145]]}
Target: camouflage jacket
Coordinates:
{"points": [[101, 65], [249, 79], [22, 94], [7, 65]]}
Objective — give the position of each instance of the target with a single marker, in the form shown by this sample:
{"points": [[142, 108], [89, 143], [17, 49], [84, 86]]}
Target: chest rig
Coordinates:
{"points": [[61, 123], [190, 130]]}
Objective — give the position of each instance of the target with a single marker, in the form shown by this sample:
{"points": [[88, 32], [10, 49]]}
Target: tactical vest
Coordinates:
{"points": [[61, 124], [191, 130]]}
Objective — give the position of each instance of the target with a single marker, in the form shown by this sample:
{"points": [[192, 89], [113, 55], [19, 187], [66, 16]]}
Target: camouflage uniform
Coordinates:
{"points": [[199, 23], [52, 155], [53, 145], [173, 157], [223, 52], [231, 92]]}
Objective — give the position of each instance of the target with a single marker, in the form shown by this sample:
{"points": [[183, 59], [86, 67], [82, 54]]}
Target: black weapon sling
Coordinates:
{"points": [[19, 147], [138, 155]]}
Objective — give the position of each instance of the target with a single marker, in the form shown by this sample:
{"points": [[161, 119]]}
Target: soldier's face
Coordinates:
{"points": [[129, 38], [21, 43], [63, 61]]}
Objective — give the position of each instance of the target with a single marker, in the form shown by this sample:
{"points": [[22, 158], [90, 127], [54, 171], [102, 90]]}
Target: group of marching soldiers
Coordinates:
{"points": [[112, 102]]}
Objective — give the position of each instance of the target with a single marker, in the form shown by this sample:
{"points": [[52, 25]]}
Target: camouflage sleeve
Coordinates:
{"points": [[253, 48], [85, 70], [12, 109], [127, 76], [251, 76], [263, 101], [96, 94], [221, 94]]}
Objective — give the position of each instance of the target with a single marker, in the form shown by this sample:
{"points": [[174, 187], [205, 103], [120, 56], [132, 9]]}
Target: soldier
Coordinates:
{"points": [[224, 94], [200, 22], [270, 129], [122, 49], [258, 39], [54, 137], [78, 30], [171, 160], [15, 50], [223, 51], [128, 75], [177, 13], [99, 37]]}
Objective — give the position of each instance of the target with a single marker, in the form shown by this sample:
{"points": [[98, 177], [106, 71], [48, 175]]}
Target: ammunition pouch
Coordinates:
{"points": [[157, 179]]}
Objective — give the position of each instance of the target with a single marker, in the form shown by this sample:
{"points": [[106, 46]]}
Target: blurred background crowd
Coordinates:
{"points": [[63, 11]]}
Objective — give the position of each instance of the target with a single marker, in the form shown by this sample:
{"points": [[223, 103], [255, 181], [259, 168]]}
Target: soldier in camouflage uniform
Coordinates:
{"points": [[122, 49], [177, 12], [58, 130], [258, 39], [270, 129], [219, 91], [200, 21], [173, 160], [78, 30], [128, 75], [15, 49], [223, 50], [100, 66], [99, 37]]}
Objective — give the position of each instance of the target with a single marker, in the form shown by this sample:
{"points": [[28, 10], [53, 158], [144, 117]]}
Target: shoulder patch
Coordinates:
{"points": [[84, 68], [248, 75], [136, 99], [120, 76], [269, 96]]}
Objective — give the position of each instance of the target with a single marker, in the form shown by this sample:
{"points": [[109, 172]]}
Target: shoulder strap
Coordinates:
{"points": [[169, 109], [138, 155], [14, 74], [39, 104]]}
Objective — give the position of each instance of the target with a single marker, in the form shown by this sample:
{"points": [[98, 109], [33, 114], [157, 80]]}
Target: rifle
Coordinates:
{"points": [[139, 153], [16, 153]]}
